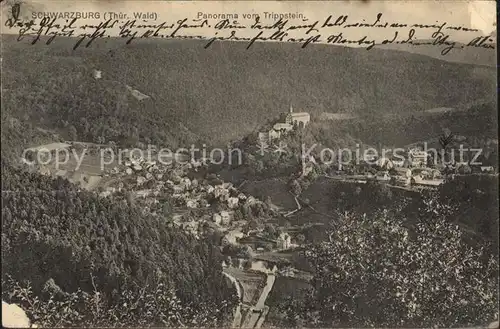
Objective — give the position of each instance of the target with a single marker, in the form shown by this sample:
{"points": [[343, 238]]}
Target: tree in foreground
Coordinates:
{"points": [[152, 305], [374, 271]]}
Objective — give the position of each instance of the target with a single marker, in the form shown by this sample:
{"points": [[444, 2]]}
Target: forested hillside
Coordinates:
{"points": [[18, 135], [223, 92], [475, 122], [53, 232]]}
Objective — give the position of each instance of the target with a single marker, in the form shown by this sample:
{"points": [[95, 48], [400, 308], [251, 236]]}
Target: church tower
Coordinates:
{"points": [[289, 116]]}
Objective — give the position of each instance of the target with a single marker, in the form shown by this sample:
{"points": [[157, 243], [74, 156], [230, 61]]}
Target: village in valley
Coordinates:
{"points": [[254, 233], [196, 180]]}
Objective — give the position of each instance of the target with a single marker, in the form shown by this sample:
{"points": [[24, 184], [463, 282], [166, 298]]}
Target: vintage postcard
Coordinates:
{"points": [[249, 164]]}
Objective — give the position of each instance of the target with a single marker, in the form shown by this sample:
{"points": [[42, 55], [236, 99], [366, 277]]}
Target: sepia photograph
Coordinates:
{"points": [[249, 164]]}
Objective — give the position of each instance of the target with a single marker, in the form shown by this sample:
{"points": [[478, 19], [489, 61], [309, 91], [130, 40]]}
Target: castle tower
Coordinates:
{"points": [[289, 116]]}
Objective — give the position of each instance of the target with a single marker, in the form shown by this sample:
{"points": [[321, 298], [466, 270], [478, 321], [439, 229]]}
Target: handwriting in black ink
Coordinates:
{"points": [[481, 42], [226, 29], [100, 31], [340, 39], [224, 24], [338, 22], [276, 36], [374, 24], [181, 24], [280, 24], [310, 27]]}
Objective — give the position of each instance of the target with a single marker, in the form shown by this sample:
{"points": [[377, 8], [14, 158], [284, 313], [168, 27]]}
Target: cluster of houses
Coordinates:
{"points": [[151, 182], [259, 242], [201, 197], [413, 169], [414, 157], [418, 158], [193, 195], [138, 166], [406, 176], [141, 171]]}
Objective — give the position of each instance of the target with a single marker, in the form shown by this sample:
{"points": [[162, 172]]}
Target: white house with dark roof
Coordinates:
{"points": [[284, 241], [418, 158], [97, 74]]}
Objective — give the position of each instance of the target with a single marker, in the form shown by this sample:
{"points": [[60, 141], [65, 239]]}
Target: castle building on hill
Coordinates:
{"points": [[299, 118]]}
